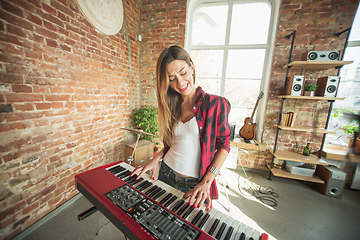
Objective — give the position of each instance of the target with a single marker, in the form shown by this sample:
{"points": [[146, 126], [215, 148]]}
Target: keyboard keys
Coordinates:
{"points": [[183, 208], [229, 233], [204, 220], [221, 226], [214, 222], [188, 211], [240, 234], [170, 201], [167, 197], [214, 215], [145, 186], [159, 194], [197, 217], [151, 190], [226, 234], [178, 205], [213, 226], [153, 193]]}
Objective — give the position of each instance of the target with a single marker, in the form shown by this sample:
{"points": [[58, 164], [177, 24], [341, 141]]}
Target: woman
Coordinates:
{"points": [[194, 127]]}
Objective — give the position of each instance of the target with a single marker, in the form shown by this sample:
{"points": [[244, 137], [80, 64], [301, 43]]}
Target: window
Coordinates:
{"points": [[230, 43], [349, 88]]}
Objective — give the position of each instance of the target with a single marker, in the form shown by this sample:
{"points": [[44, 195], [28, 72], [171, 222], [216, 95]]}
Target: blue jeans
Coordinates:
{"points": [[184, 184]]}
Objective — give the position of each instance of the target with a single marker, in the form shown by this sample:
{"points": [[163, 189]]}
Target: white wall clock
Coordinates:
{"points": [[106, 15]]}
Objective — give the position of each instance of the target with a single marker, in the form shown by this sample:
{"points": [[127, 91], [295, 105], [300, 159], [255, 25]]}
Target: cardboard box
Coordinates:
{"points": [[143, 152], [300, 168]]}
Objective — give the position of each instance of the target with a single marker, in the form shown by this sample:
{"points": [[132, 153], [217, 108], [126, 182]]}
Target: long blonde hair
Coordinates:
{"points": [[169, 101]]}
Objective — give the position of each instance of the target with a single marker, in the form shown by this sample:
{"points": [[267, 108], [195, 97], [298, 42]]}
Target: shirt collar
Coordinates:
{"points": [[199, 98]]}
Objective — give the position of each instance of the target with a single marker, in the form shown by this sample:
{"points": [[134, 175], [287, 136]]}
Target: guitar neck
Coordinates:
{"points": [[252, 115]]}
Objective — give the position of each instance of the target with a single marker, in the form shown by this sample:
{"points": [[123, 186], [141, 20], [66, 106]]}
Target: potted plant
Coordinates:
{"points": [[350, 129], [310, 89], [145, 118]]}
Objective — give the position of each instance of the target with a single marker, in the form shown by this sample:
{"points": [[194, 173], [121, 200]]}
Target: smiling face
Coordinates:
{"points": [[181, 78]]}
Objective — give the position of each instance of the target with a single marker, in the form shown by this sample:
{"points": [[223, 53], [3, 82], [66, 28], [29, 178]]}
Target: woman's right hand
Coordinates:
{"points": [[151, 165]]}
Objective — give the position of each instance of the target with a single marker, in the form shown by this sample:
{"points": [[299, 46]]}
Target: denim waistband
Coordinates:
{"points": [[180, 181]]}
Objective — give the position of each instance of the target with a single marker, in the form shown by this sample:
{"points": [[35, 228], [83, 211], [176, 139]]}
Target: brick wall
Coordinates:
{"points": [[66, 90], [162, 25]]}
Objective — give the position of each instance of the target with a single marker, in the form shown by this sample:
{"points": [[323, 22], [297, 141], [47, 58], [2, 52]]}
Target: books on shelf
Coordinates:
{"points": [[288, 119]]}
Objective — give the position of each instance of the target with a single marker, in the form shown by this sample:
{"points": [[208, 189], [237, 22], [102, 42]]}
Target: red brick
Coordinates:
{"points": [[55, 200], [10, 48], [16, 20], [49, 58], [59, 97], [49, 26], [21, 88], [49, 9], [46, 33], [57, 105], [30, 208], [75, 29], [62, 8], [39, 139], [41, 122], [24, 107], [65, 47], [12, 8], [46, 198], [15, 40], [12, 97], [41, 106], [48, 190], [62, 16], [16, 31]]}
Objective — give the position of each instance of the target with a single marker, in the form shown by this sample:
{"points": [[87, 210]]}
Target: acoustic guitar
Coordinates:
{"points": [[247, 131]]}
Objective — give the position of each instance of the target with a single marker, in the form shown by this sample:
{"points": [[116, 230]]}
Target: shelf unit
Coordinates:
{"points": [[316, 64], [293, 156]]}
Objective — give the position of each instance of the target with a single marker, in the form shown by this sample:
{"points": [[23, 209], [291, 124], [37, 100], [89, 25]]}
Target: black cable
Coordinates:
{"points": [[265, 195]]}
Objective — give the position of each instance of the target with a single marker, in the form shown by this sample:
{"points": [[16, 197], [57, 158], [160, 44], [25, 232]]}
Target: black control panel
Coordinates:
{"points": [[157, 220]]}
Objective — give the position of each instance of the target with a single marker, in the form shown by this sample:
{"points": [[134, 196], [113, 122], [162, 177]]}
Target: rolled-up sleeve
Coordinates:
{"points": [[223, 126]]}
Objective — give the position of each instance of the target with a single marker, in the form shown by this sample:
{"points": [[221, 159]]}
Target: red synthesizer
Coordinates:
{"points": [[147, 209]]}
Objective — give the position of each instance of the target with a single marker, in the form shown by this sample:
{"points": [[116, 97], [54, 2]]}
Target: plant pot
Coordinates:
{"points": [[309, 93], [355, 144]]}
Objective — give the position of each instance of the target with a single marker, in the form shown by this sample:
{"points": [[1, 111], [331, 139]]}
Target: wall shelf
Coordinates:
{"points": [[306, 129], [297, 157], [240, 143], [311, 98], [285, 174], [316, 64]]}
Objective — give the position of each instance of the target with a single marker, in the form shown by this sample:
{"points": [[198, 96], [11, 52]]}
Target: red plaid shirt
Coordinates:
{"points": [[211, 113]]}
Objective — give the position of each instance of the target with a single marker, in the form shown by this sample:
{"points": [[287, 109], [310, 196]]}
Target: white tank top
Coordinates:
{"points": [[184, 155]]}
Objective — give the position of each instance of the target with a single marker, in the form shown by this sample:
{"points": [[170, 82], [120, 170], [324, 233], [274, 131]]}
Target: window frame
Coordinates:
{"points": [[269, 46], [349, 45]]}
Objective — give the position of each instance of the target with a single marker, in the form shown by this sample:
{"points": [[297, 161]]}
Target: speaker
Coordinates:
{"points": [[327, 86], [321, 56], [334, 178], [294, 85]]}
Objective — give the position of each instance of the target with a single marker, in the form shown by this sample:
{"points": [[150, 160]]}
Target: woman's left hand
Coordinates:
{"points": [[199, 194]]}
